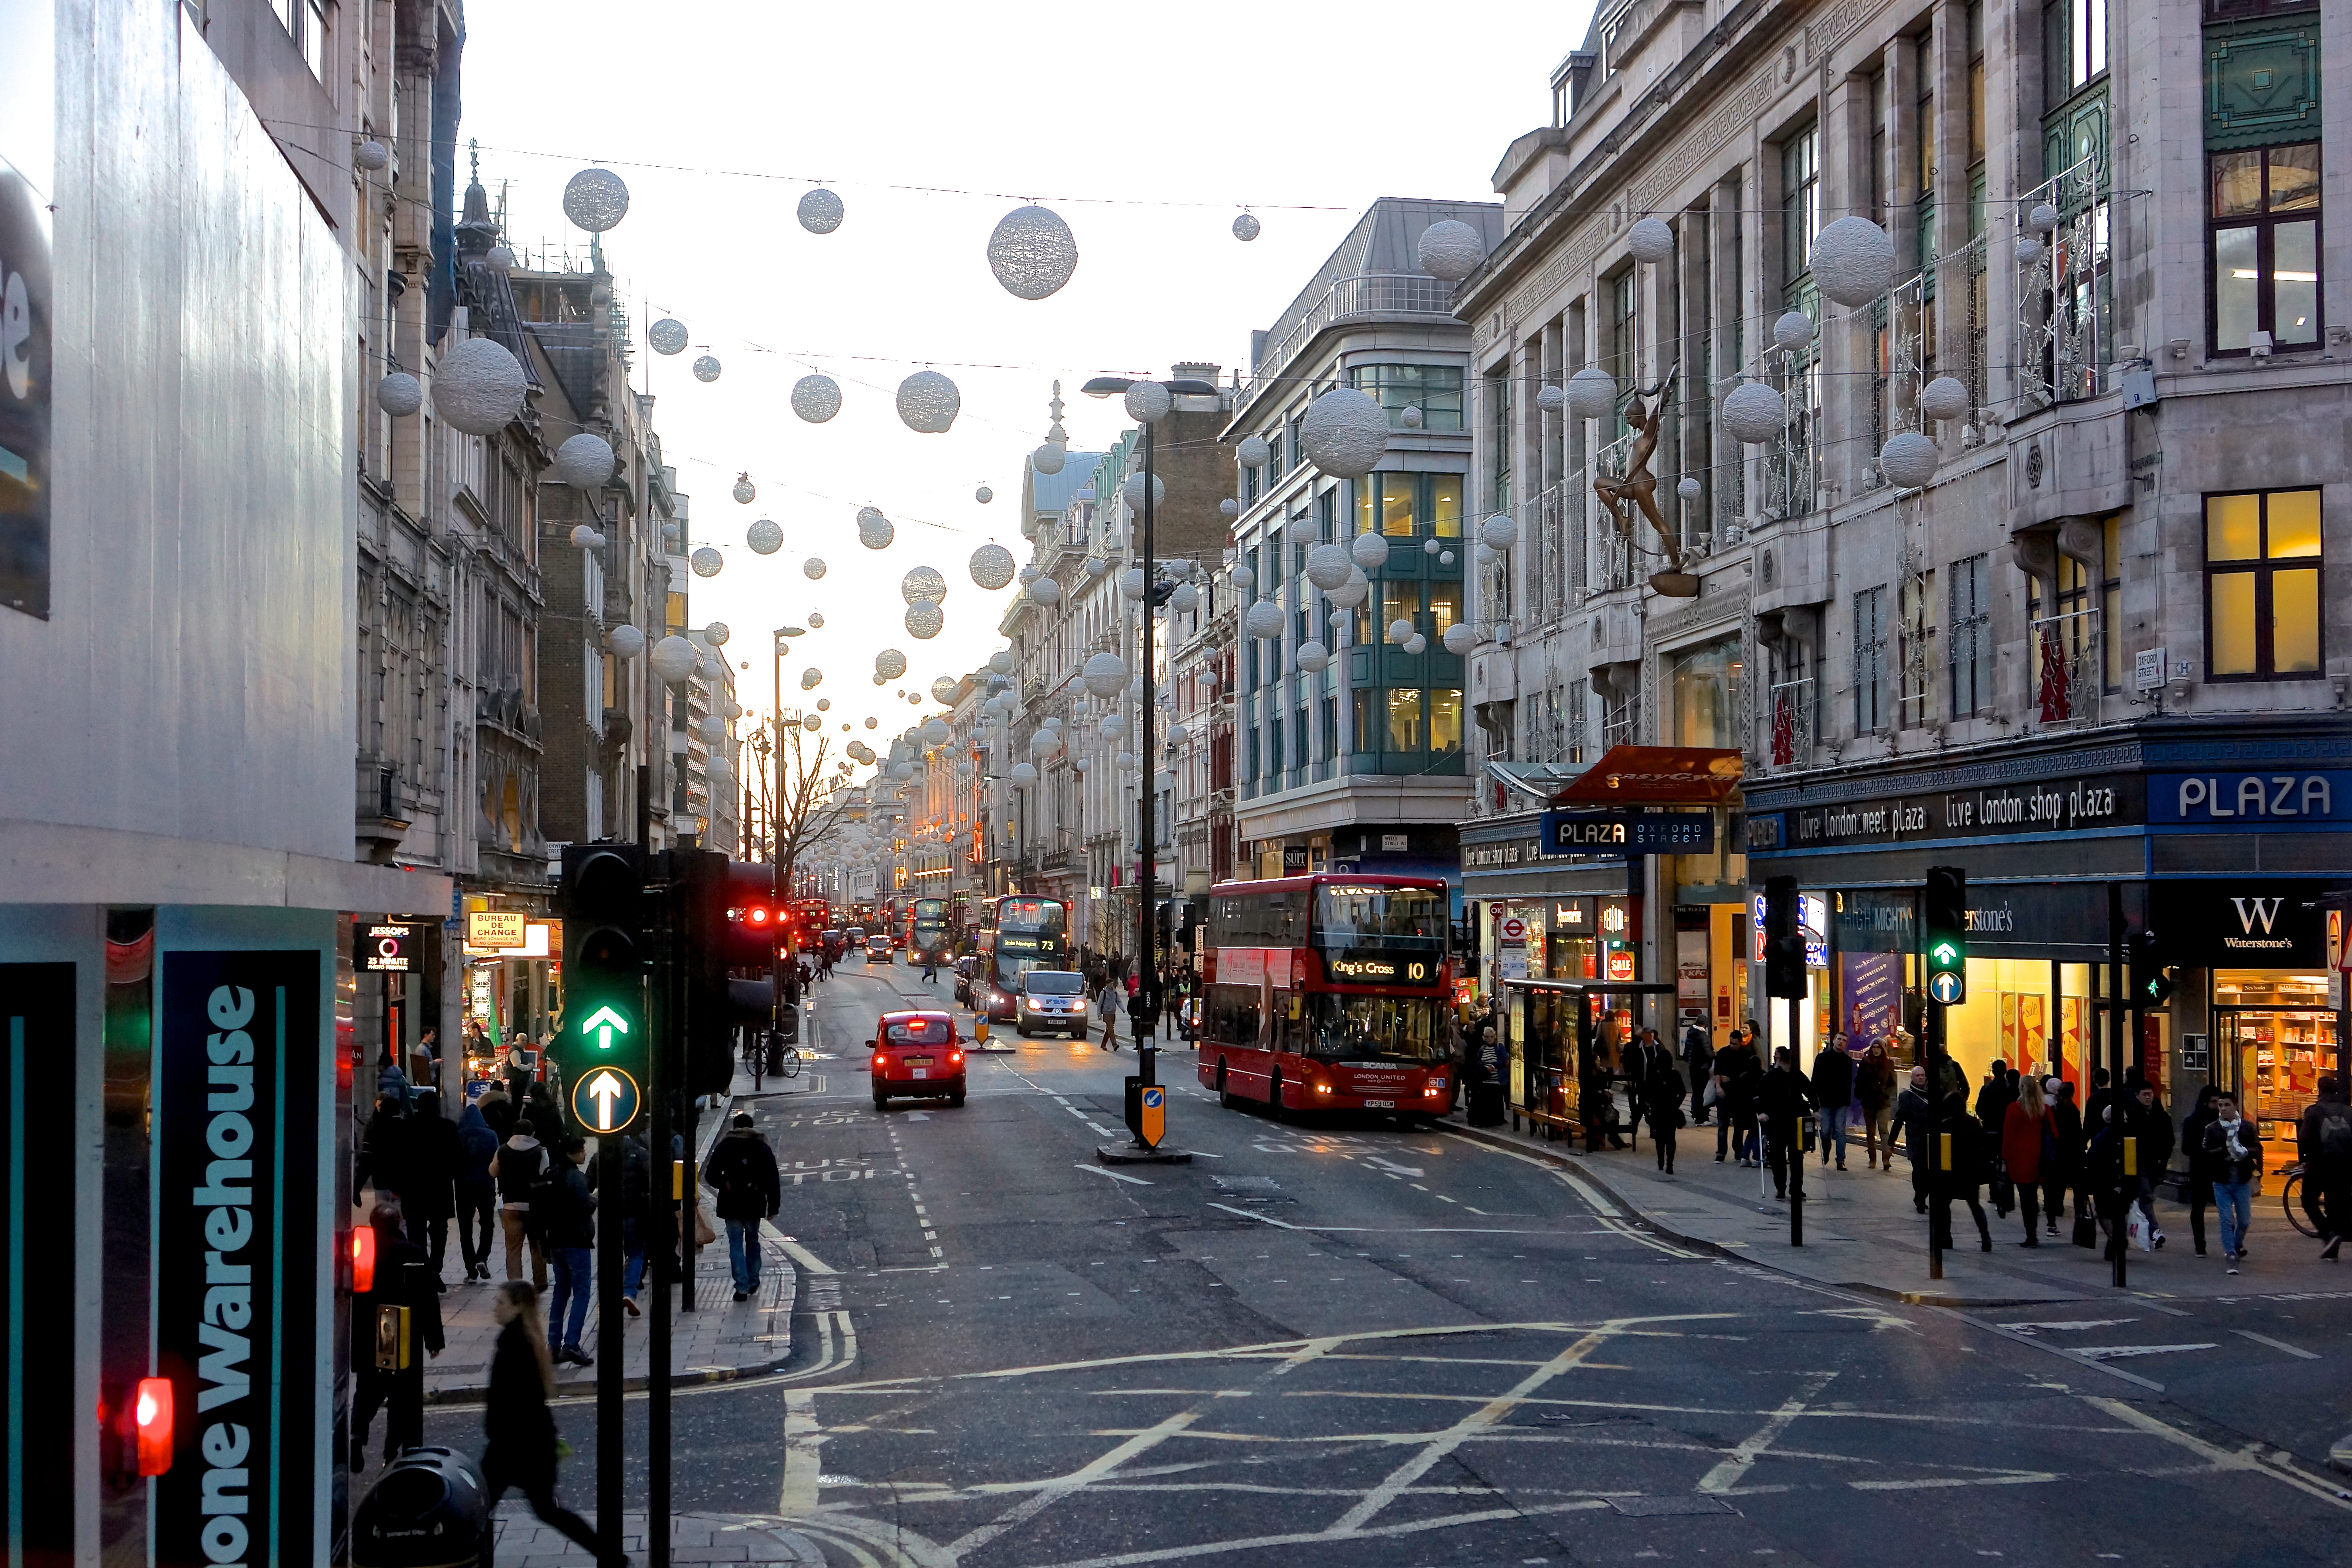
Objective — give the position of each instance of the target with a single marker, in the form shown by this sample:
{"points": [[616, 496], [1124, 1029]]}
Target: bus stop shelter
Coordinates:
{"points": [[1566, 1045]]}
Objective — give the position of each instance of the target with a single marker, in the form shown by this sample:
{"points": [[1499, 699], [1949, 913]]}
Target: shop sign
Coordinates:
{"points": [[495, 928], [1814, 919], [381, 949], [1628, 832], [1768, 832], [2059, 806], [1621, 964], [1294, 860], [2266, 800], [1514, 930], [2239, 925], [2005, 920]]}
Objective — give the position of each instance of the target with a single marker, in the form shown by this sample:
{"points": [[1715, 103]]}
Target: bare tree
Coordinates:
{"points": [[809, 800]]}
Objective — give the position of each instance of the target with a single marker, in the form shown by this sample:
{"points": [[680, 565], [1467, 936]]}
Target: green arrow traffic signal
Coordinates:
{"points": [[602, 1022], [1944, 955]]}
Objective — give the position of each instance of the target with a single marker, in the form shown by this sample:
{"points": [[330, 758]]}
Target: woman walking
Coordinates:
{"points": [[1873, 1087], [522, 1446], [1661, 1107], [2025, 1136]]}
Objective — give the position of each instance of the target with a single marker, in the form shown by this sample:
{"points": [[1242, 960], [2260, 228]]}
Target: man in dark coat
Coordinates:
{"points": [[1737, 1069], [1833, 1092], [404, 1278], [476, 1191], [1783, 1101], [383, 1151], [2323, 1139], [1698, 1059], [1968, 1169], [742, 1176], [433, 1156], [1915, 1125], [497, 1109]]}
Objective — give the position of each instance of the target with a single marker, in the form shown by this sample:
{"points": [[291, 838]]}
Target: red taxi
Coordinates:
{"points": [[916, 1055]]}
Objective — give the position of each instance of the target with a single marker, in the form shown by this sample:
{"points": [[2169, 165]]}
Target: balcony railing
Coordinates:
{"points": [[1793, 722], [2066, 667], [2066, 287], [1363, 294]]}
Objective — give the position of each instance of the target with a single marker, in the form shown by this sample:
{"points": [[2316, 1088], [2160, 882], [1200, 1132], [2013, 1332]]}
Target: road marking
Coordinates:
{"points": [[1114, 1175], [2276, 1344], [1261, 1218], [804, 1459], [1742, 1458], [1101, 1465], [2246, 1459], [809, 1261], [2119, 1352], [1397, 1169], [2070, 1327]]}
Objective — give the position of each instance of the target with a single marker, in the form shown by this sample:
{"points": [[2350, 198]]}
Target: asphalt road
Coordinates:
{"points": [[1352, 1343]]}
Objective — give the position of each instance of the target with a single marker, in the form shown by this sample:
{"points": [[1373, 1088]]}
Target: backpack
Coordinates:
{"points": [[2335, 1133]]}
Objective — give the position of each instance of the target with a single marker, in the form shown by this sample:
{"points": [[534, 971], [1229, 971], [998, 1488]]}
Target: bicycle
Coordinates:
{"points": [[2289, 1195]]}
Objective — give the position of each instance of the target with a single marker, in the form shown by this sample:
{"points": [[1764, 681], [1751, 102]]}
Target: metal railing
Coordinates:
{"points": [[1793, 722], [2067, 666], [1362, 294], [2061, 333]]}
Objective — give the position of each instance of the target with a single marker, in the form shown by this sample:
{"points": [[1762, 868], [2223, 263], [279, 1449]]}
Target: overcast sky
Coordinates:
{"points": [[1099, 113]]}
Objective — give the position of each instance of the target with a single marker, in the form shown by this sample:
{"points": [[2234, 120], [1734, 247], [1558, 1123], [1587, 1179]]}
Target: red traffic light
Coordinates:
{"points": [[759, 914], [362, 1260], [151, 1413]]}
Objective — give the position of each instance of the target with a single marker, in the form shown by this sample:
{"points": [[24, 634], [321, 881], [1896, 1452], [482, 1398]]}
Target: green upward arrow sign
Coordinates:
{"points": [[602, 1023], [1944, 952]]}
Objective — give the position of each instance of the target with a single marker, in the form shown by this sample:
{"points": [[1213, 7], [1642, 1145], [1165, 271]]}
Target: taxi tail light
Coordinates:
{"points": [[955, 1059], [362, 1260], [151, 1414]]}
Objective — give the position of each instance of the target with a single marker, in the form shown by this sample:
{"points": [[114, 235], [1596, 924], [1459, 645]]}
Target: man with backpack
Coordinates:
{"points": [[517, 1167], [2324, 1141]]}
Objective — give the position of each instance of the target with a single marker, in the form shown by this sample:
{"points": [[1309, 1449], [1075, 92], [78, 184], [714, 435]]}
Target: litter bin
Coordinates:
{"points": [[427, 1511]]}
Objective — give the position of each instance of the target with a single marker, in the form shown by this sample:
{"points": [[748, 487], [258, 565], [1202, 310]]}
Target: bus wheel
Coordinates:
{"points": [[1225, 1095]]}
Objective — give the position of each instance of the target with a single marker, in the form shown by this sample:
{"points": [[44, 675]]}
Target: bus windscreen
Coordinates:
{"points": [[1365, 915], [1041, 917]]}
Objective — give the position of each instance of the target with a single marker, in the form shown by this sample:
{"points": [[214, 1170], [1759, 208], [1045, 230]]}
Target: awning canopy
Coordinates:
{"points": [[1655, 775]]}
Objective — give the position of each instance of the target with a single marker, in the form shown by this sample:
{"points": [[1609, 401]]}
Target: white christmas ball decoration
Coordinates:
{"points": [[1029, 573], [811, 723], [743, 492], [935, 730], [928, 402], [2028, 250], [1112, 727], [706, 562], [1044, 743], [1410, 417], [706, 368], [1246, 228], [1000, 661], [713, 729], [874, 723], [585, 461], [1264, 619], [1147, 402], [1046, 592], [923, 583], [874, 529], [1592, 394], [1251, 451], [1416, 644], [1032, 252], [499, 258], [1125, 761], [400, 395], [813, 568], [1399, 630], [717, 633], [1312, 657], [1687, 487], [816, 618], [943, 689], [1945, 398], [1049, 457], [1178, 734], [1369, 551], [1459, 638], [816, 398], [990, 566], [1185, 599], [1344, 432], [626, 641], [668, 336], [2043, 217], [983, 495], [1131, 583], [1445, 558], [1755, 412], [1450, 250], [1549, 398], [765, 537], [1024, 773], [1501, 532], [372, 156], [479, 388], [820, 211], [810, 678], [674, 660], [1131, 491], [1908, 459], [1097, 566], [889, 664], [1854, 260], [1106, 674], [1353, 592], [1230, 507], [1328, 564], [595, 199], [1244, 580], [1792, 330], [1430, 546], [902, 771], [1650, 239]]}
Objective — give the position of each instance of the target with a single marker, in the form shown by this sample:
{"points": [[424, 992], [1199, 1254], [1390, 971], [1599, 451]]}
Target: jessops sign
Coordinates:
{"points": [[237, 1129]]}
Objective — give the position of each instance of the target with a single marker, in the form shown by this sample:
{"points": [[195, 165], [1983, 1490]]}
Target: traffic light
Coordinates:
{"points": [[1784, 939], [2151, 987], [1945, 925], [718, 937], [605, 1045], [756, 924]]}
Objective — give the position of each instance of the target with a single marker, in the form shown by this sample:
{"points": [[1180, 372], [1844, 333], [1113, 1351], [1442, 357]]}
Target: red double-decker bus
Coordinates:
{"points": [[1328, 992]]}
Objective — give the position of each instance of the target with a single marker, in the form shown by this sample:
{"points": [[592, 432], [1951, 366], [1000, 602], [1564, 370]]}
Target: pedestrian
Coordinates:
{"points": [[1874, 1090], [390, 1081], [1833, 1092], [1698, 1059], [433, 1157], [517, 1167], [566, 1213], [1107, 1004], [1783, 1101], [742, 1175], [476, 1191], [2025, 1137], [2063, 1156], [930, 968], [383, 1150], [2323, 1136], [395, 1284], [2152, 1125], [1993, 1096], [1914, 1123], [1661, 1107], [521, 1452], [1737, 1071], [2199, 1185], [634, 1197], [2233, 1157], [1965, 1174]]}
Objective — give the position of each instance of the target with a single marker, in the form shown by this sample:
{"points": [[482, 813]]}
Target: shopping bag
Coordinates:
{"points": [[2086, 1229], [706, 1234], [2136, 1229]]}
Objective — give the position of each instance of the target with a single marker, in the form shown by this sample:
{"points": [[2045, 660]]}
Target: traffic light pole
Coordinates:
{"points": [[1931, 1037], [2118, 1237], [661, 1249], [611, 1184]]}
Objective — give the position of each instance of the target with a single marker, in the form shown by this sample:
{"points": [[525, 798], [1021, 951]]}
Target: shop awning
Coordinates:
{"points": [[1655, 775], [1521, 785]]}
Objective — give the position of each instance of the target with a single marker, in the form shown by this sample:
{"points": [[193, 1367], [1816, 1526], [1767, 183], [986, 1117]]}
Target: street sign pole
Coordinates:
{"points": [[609, 1165], [661, 1246]]}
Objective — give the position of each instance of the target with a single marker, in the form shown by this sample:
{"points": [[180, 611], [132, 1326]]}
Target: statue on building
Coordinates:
{"points": [[1638, 488]]}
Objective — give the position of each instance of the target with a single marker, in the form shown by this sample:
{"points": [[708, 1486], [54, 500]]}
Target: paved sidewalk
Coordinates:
{"points": [[524, 1543], [1862, 1233]]}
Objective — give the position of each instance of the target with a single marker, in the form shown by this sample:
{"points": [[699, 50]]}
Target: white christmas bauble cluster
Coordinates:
{"points": [[928, 402], [1853, 260], [674, 660], [478, 387], [1549, 398], [1369, 551], [1353, 592], [744, 492], [399, 395], [1105, 674], [1501, 532], [717, 633], [1344, 432], [765, 537], [1450, 250], [1459, 638], [1032, 252], [943, 689], [983, 495], [1185, 599], [1312, 657], [810, 678], [1046, 591], [1687, 487], [990, 566], [874, 529], [626, 641]]}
